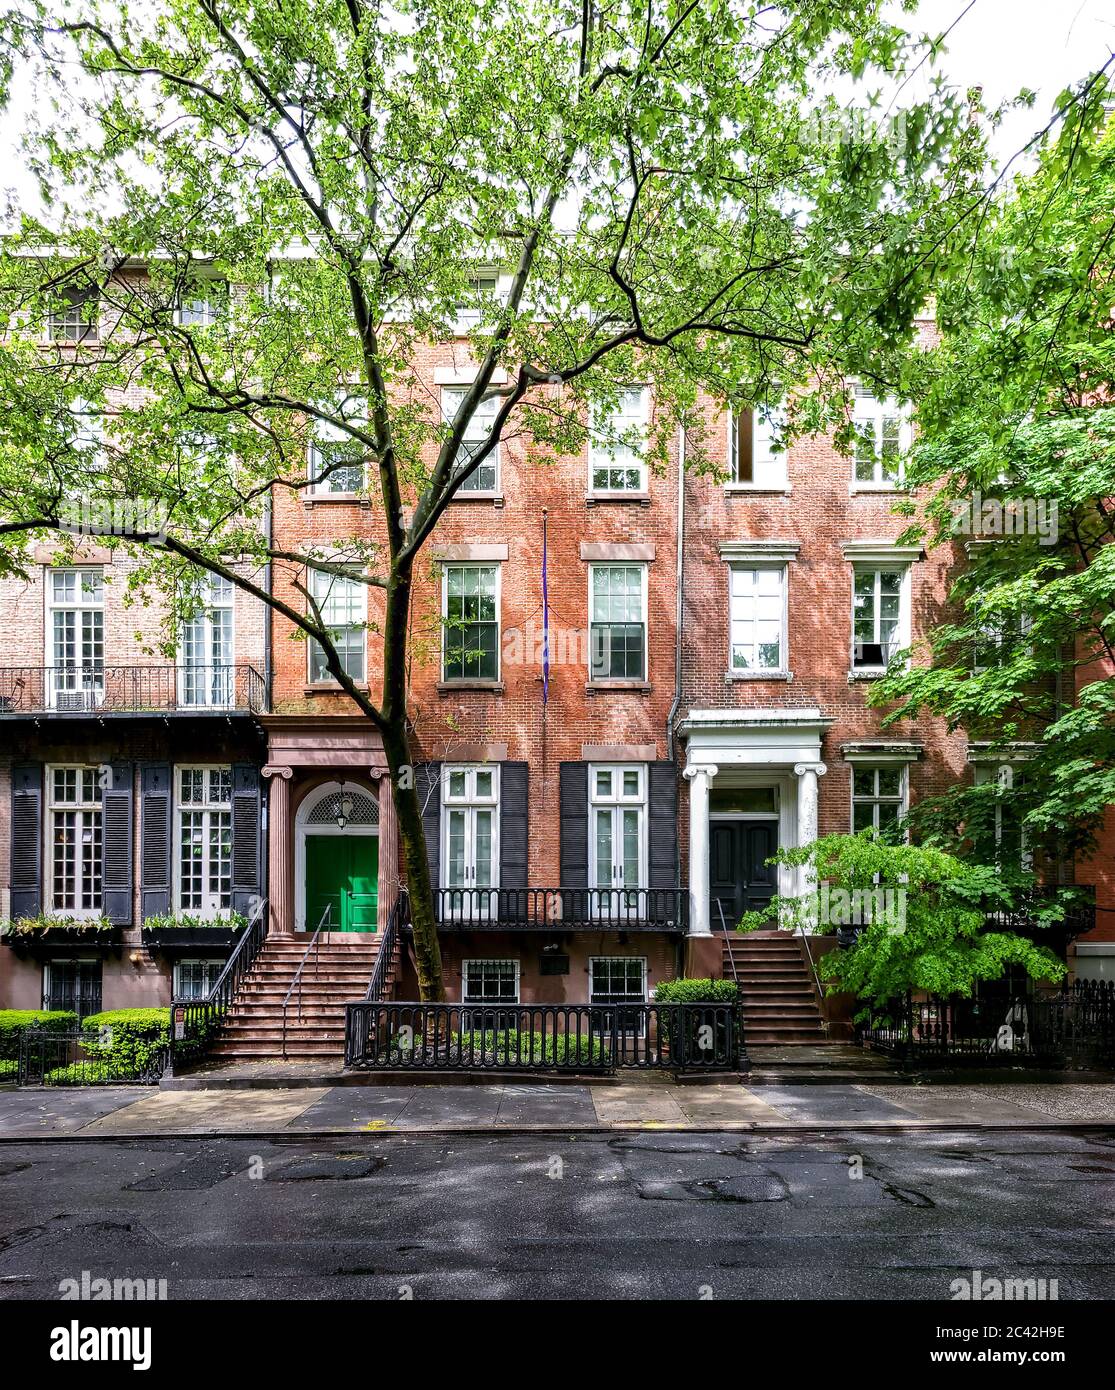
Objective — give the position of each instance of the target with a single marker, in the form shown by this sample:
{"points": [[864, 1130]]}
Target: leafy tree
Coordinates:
{"points": [[672, 191], [1017, 439], [922, 917]]}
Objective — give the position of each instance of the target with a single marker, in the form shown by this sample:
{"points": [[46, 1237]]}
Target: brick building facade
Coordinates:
{"points": [[584, 846]]}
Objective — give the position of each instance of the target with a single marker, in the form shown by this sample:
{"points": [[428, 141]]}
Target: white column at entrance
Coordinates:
{"points": [[700, 780], [808, 802]]}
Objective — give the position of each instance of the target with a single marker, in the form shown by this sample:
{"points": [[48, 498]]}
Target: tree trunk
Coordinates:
{"points": [[408, 813]]}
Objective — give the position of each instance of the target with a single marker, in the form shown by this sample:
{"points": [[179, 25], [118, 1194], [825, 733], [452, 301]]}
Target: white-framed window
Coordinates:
{"points": [[880, 614], [483, 289], [75, 845], [617, 596], [489, 982], [336, 458], [75, 319], [878, 797], [469, 838], [757, 618], [72, 986], [617, 443], [87, 433], [485, 477], [194, 979], [75, 655], [756, 455], [883, 434], [620, 980], [998, 640], [204, 839], [344, 610], [202, 304], [617, 837], [470, 609], [206, 675], [1012, 841]]}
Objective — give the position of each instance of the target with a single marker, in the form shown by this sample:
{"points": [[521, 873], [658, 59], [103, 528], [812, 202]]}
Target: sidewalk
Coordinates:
{"points": [[133, 1112]]}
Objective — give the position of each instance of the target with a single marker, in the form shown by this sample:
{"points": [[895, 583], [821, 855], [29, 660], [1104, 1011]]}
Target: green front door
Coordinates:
{"points": [[342, 872]]}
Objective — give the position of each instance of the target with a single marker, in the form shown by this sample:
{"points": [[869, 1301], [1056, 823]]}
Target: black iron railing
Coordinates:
{"points": [[398, 917], [625, 909], [100, 689], [194, 1022], [75, 1058], [494, 1036], [1070, 1027]]}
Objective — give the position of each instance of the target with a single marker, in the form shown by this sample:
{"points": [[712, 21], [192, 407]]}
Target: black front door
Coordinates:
{"points": [[740, 879]]}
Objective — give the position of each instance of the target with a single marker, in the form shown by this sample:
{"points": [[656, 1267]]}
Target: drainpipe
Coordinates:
{"points": [[679, 950], [679, 583]]}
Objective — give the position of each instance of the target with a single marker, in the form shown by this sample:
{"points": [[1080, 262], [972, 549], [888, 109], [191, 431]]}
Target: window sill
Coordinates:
{"points": [[495, 498], [876, 488], [331, 688], [641, 499], [327, 499], [866, 673], [611, 686], [488, 687], [730, 676], [756, 489]]}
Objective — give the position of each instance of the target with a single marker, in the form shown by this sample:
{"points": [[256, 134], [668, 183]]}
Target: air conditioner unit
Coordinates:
{"points": [[74, 701]]}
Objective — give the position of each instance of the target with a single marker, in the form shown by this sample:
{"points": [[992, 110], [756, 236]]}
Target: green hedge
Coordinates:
{"points": [[509, 1046], [696, 992], [15, 1022], [9, 1069], [127, 1041]]}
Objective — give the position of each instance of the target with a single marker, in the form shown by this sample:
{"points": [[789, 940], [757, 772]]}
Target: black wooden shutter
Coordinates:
{"points": [[27, 840], [117, 874], [427, 781], [514, 802], [247, 822], [662, 837], [155, 838], [573, 803]]}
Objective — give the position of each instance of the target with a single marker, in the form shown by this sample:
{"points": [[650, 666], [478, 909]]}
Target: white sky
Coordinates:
{"points": [[1001, 45]]}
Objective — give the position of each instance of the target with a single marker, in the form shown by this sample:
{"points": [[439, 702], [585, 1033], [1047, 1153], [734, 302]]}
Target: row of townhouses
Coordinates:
{"points": [[712, 648]]}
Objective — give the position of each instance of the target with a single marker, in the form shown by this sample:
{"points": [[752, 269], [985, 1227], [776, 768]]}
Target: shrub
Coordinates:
{"points": [[696, 992], [8, 1068], [127, 1041], [15, 1022]]}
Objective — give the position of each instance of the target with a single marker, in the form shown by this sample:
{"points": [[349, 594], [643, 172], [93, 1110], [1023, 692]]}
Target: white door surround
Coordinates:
{"points": [[309, 819], [742, 747]]}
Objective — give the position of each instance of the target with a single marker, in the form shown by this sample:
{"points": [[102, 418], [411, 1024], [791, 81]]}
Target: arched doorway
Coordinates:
{"points": [[336, 858]]}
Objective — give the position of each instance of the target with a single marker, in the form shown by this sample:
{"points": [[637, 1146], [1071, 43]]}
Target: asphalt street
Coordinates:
{"points": [[605, 1216]]}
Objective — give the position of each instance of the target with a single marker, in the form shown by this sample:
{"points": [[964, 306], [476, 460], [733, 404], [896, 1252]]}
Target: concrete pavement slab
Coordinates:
{"points": [[637, 1104], [185, 1112], [62, 1111], [429, 1107], [959, 1105], [546, 1105], [734, 1104], [354, 1108], [832, 1105]]}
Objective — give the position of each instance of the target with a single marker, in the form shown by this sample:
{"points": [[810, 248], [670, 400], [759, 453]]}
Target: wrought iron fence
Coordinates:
{"points": [[569, 1038], [100, 689], [1074, 1027], [194, 1022], [609, 909], [396, 918], [76, 1058]]}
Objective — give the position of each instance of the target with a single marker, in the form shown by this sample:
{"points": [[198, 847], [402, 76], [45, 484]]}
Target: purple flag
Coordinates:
{"points": [[545, 619]]}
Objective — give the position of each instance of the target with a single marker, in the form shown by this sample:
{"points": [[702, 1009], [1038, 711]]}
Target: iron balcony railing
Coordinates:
{"points": [[570, 909], [495, 1037], [101, 689]]}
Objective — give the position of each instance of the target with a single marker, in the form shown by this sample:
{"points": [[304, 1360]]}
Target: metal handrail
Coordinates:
{"points": [[400, 912], [728, 939], [297, 981], [241, 960], [743, 1061]]}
